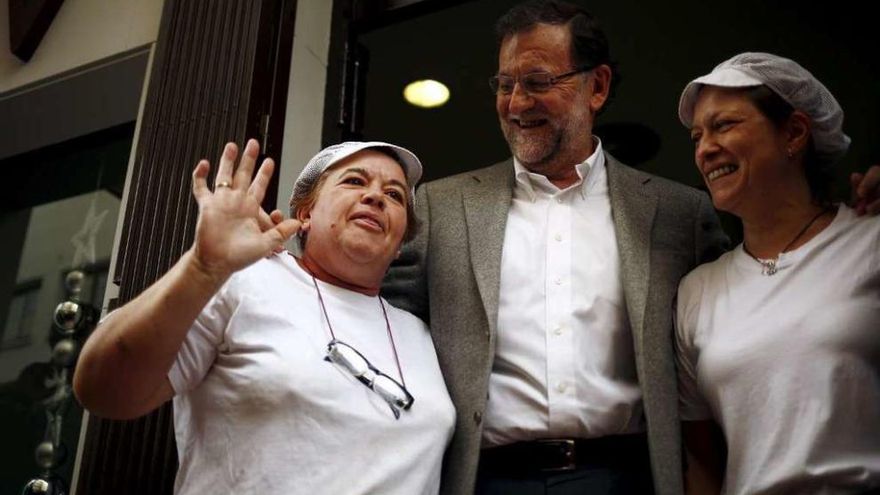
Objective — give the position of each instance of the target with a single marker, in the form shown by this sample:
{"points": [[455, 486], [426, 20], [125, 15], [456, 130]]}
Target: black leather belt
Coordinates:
{"points": [[564, 454]]}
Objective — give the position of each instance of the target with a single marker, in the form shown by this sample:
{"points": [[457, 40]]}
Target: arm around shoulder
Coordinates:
{"points": [[406, 283]]}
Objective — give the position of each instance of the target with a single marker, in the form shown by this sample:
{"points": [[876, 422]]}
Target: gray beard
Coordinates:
{"points": [[533, 153]]}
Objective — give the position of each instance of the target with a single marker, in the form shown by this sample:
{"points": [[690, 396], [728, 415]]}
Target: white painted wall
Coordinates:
{"points": [[305, 97], [83, 33]]}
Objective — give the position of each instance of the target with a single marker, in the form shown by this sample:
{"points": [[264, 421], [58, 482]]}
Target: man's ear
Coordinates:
{"points": [[600, 86]]}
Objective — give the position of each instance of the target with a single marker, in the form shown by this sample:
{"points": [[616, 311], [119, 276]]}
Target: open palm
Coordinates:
{"points": [[232, 230]]}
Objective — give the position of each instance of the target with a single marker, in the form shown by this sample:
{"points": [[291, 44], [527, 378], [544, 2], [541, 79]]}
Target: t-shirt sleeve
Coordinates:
{"points": [[693, 406], [200, 347]]}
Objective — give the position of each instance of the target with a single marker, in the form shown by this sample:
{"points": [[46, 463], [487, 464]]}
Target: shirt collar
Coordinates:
{"points": [[531, 184]]}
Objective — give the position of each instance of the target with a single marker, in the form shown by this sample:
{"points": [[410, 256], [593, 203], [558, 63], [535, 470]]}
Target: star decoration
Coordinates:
{"points": [[84, 240]]}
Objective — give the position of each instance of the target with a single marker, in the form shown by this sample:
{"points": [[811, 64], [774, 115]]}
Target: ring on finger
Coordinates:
{"points": [[223, 183]]}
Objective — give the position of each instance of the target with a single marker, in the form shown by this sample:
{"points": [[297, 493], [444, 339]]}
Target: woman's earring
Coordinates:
{"points": [[303, 230]]}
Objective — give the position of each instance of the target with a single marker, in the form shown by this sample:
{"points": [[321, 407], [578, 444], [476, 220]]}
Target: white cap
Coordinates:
{"points": [[326, 158], [790, 81]]}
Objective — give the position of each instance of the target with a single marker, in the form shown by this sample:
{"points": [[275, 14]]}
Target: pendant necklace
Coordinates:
{"points": [[769, 266]]}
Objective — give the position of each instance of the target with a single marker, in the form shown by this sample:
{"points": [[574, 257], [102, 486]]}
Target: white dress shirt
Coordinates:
{"points": [[564, 364]]}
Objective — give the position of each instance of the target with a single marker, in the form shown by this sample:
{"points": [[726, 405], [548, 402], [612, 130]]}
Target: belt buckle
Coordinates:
{"points": [[567, 450]]}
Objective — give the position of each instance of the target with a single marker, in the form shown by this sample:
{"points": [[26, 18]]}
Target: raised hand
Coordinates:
{"points": [[232, 231]]}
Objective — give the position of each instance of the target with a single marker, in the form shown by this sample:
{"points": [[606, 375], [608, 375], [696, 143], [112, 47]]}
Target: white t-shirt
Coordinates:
{"points": [[258, 409], [789, 364]]}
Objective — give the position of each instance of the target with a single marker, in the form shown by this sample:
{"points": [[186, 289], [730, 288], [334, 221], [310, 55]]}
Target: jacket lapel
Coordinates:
{"points": [[633, 205], [486, 201]]}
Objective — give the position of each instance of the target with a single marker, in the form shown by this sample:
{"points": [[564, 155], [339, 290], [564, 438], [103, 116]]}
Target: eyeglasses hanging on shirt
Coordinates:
{"points": [[350, 359]]}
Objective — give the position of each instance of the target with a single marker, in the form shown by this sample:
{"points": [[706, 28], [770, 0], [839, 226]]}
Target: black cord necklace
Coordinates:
{"points": [[769, 266]]}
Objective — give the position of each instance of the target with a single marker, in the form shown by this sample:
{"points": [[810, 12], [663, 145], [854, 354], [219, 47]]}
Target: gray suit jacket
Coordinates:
{"points": [[449, 276]]}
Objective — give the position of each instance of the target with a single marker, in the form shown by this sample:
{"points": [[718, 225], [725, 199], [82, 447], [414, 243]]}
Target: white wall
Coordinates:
{"points": [[305, 98], [84, 32]]}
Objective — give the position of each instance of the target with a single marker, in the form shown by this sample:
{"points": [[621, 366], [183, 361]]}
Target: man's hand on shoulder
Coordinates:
{"points": [[866, 191]]}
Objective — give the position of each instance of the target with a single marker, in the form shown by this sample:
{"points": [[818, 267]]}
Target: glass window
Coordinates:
{"points": [[57, 234]]}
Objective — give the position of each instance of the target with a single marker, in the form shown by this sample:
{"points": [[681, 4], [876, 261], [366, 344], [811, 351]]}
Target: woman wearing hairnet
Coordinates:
{"points": [[779, 340], [289, 375]]}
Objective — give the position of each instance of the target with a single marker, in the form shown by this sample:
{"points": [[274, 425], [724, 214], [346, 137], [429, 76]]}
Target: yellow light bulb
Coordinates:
{"points": [[426, 93]]}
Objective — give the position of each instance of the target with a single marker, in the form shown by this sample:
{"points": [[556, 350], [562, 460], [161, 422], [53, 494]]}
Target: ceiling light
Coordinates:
{"points": [[426, 93]]}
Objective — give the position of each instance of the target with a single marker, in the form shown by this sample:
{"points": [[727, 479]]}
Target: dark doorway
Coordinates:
{"points": [[659, 47]]}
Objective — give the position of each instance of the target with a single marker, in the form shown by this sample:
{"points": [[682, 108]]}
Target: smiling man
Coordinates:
{"points": [[548, 281]]}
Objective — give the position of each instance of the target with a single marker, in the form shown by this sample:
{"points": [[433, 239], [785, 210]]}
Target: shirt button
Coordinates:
{"points": [[558, 237], [561, 387], [558, 330], [558, 281], [478, 417], [559, 200]]}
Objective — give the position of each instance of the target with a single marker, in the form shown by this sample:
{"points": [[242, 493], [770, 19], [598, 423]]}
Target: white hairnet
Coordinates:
{"points": [[412, 167], [790, 81]]}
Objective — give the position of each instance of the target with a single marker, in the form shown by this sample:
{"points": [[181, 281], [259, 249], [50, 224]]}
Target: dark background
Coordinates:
{"points": [[660, 46]]}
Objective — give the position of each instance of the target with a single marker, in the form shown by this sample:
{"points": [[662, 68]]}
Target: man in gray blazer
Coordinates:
{"points": [[548, 283]]}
